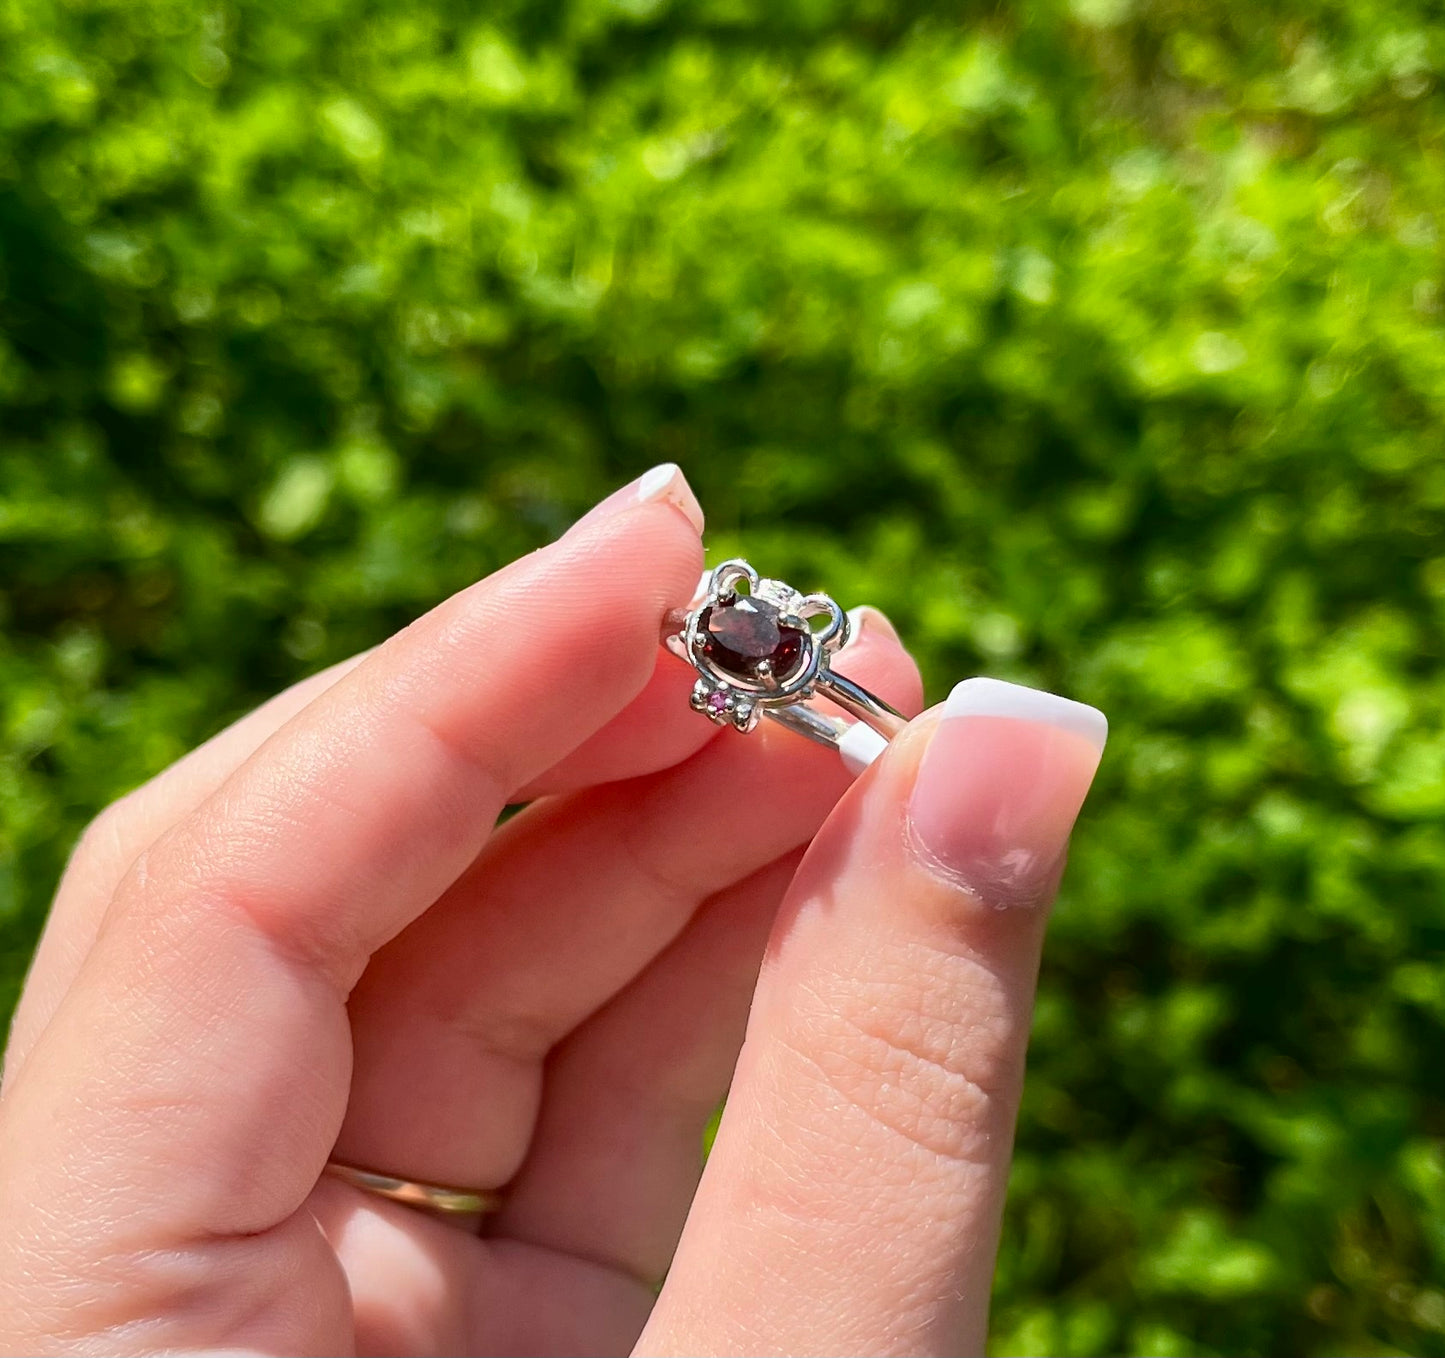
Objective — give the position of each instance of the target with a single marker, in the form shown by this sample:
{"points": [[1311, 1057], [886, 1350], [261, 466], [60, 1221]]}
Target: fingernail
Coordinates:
{"points": [[867, 619], [859, 746], [664, 484], [1000, 786]]}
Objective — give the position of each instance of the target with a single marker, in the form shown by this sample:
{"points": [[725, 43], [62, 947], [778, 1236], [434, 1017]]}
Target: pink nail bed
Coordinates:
{"points": [[1001, 784]]}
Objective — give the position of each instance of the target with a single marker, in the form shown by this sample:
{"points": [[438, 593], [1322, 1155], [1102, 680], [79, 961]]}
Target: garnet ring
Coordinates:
{"points": [[762, 649]]}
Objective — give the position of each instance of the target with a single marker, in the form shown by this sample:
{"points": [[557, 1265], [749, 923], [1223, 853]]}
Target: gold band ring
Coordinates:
{"points": [[425, 1197]]}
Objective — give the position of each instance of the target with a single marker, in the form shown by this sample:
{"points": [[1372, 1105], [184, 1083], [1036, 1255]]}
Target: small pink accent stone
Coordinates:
{"points": [[717, 702]]}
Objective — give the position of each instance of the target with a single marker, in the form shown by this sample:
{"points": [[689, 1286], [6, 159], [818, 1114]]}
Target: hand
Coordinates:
{"points": [[307, 938]]}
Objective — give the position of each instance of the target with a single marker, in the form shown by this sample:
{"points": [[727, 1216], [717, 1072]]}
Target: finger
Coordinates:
{"points": [[654, 731], [609, 1175], [614, 1161], [875, 1096], [117, 837], [212, 1004], [616, 1155], [571, 899], [420, 1285]]}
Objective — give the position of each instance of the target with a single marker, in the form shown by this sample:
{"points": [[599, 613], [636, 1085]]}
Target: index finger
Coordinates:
{"points": [[194, 1080]]}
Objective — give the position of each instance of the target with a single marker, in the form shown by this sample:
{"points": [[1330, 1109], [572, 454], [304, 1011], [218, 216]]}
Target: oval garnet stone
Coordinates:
{"points": [[740, 635]]}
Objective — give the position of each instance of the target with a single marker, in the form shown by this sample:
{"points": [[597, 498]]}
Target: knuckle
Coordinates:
{"points": [[105, 839], [513, 1030], [211, 866]]}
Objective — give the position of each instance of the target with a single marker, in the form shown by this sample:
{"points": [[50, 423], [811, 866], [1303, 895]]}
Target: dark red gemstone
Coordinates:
{"points": [[740, 635]]}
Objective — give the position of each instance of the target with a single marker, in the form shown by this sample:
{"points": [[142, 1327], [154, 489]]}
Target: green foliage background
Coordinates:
{"points": [[1101, 344]]}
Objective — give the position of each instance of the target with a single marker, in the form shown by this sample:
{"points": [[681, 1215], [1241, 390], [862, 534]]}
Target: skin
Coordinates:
{"points": [[309, 939]]}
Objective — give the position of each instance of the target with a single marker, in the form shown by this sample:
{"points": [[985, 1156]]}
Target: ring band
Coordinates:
{"points": [[756, 653], [425, 1197]]}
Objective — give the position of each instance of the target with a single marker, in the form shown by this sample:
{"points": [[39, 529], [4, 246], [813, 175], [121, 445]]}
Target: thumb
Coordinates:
{"points": [[852, 1201]]}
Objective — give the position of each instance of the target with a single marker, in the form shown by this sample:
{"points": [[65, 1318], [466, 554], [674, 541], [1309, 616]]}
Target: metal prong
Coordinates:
{"points": [[727, 573], [746, 716]]}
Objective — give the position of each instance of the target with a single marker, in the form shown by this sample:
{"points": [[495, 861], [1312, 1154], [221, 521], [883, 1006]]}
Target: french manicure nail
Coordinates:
{"points": [[664, 484], [859, 746], [1000, 785], [866, 618]]}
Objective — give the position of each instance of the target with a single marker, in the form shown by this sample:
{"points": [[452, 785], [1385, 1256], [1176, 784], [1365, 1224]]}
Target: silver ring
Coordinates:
{"points": [[758, 654]]}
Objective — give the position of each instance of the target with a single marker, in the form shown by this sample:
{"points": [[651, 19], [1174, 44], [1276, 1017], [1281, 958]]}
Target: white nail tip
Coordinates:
{"points": [[859, 746], [653, 485], [983, 697]]}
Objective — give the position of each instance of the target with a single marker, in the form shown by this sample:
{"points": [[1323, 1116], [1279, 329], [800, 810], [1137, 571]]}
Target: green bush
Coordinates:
{"points": [[1099, 343]]}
